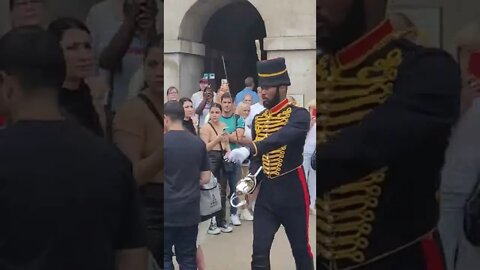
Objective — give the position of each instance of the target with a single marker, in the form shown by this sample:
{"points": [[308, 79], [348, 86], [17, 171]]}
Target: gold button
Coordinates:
{"points": [[326, 240], [327, 92], [322, 137], [323, 118]]}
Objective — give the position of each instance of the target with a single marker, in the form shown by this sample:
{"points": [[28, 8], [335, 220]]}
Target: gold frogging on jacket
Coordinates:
{"points": [[266, 124], [345, 99], [347, 93], [345, 216]]}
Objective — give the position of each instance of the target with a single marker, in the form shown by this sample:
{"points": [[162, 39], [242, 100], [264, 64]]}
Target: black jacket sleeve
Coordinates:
{"points": [[296, 129], [424, 104]]}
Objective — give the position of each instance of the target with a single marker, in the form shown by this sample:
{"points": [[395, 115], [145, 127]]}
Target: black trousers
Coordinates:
{"points": [[152, 198], [282, 201], [216, 159], [424, 255]]}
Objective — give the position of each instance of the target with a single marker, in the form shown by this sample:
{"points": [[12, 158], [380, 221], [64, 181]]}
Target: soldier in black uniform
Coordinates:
{"points": [[278, 134], [385, 111]]}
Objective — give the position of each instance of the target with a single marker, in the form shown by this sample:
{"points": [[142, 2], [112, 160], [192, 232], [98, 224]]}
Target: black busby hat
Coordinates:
{"points": [[272, 73]]}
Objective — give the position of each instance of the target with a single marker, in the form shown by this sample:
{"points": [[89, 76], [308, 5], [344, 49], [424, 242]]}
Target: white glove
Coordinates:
{"points": [[238, 155]]}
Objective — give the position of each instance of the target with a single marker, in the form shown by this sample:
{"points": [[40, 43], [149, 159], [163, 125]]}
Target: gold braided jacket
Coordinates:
{"points": [[278, 136], [350, 85]]}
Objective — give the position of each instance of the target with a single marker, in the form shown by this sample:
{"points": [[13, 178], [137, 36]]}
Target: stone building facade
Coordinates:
{"points": [[285, 28]]}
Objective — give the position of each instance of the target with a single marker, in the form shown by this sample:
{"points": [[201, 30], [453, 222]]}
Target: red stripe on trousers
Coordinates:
{"points": [[303, 181], [431, 253]]}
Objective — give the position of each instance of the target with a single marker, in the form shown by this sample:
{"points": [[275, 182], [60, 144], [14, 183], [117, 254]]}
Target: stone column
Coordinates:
{"points": [[183, 65]]}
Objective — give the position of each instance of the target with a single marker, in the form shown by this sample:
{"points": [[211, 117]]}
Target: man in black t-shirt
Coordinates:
{"points": [[186, 168], [67, 199]]}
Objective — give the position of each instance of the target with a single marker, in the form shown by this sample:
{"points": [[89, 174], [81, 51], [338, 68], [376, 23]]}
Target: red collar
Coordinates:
{"points": [[364, 46], [279, 106]]}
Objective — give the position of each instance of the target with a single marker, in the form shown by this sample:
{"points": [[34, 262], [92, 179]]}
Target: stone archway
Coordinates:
{"points": [[199, 13], [230, 35], [289, 32], [199, 42]]}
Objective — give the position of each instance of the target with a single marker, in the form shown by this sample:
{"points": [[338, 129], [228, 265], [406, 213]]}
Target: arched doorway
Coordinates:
{"points": [[208, 29], [229, 37]]}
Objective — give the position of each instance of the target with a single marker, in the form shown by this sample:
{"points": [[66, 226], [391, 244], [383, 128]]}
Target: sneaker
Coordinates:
{"points": [[235, 220], [213, 229], [246, 215], [226, 228]]}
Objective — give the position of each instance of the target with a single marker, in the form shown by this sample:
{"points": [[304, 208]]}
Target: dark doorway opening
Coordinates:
{"points": [[231, 32]]}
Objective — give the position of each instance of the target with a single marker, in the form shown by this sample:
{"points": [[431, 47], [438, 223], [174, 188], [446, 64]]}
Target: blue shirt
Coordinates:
{"points": [[246, 91], [233, 122]]}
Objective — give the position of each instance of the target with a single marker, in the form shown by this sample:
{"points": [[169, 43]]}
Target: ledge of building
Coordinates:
{"points": [[289, 43], [184, 46]]}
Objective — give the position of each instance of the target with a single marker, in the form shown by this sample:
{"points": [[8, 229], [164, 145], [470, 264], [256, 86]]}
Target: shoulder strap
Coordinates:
{"points": [[216, 133], [236, 125], [152, 108]]}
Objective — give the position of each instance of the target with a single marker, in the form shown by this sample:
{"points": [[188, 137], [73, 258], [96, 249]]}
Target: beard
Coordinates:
{"points": [[337, 38], [270, 103]]}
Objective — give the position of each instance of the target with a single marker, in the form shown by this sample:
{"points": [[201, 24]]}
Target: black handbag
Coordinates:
{"points": [[228, 166], [471, 217]]}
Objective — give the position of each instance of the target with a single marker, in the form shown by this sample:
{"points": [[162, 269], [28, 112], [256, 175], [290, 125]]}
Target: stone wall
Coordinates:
{"points": [[456, 14], [290, 34]]}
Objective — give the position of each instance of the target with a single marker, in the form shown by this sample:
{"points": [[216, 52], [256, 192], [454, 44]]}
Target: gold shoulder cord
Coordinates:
{"points": [[345, 216], [266, 124]]}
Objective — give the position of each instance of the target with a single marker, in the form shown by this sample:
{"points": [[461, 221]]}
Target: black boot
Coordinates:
{"points": [[260, 262]]}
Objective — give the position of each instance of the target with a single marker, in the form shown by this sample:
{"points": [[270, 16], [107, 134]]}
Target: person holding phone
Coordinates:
{"points": [[121, 30], [215, 136], [202, 106], [224, 88]]}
